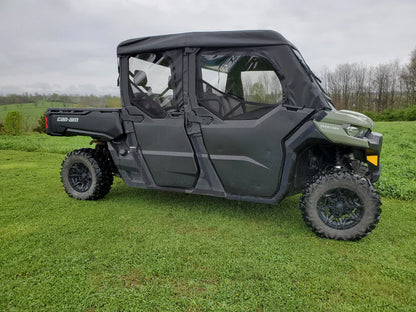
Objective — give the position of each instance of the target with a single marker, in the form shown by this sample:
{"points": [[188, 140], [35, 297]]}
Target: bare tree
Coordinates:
{"points": [[386, 84], [359, 73], [408, 78]]}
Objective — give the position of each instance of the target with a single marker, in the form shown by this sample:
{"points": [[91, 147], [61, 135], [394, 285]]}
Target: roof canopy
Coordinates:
{"points": [[215, 39]]}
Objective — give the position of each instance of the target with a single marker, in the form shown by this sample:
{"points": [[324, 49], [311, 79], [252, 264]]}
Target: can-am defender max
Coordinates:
{"points": [[234, 114]]}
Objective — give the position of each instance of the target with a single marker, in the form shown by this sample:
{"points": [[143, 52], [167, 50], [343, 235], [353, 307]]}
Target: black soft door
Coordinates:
{"points": [[160, 128], [167, 150], [243, 94], [248, 155]]}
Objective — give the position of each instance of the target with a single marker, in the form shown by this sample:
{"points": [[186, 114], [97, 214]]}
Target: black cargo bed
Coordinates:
{"points": [[99, 123]]}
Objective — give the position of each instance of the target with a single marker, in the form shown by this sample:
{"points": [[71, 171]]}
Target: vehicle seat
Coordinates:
{"points": [[143, 99], [212, 101], [229, 104]]}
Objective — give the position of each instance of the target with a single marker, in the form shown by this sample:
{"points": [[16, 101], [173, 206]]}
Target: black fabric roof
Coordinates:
{"points": [[215, 39]]}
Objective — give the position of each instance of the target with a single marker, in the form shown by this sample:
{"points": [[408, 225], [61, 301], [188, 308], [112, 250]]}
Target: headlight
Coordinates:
{"points": [[354, 131]]}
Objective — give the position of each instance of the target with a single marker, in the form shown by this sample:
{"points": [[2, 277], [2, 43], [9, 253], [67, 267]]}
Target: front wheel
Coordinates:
{"points": [[85, 175], [341, 205]]}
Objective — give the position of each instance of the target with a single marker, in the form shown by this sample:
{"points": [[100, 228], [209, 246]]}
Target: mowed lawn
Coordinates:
{"points": [[141, 250]]}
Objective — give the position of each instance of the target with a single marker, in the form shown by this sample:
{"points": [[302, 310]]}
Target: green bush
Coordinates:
{"points": [[41, 127], [410, 114], [14, 123], [403, 114], [373, 115]]}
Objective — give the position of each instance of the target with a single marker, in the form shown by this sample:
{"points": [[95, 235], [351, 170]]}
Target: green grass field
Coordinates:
{"points": [[142, 250], [398, 157]]}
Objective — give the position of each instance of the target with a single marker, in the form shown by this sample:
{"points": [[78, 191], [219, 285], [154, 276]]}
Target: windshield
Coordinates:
{"points": [[314, 78]]}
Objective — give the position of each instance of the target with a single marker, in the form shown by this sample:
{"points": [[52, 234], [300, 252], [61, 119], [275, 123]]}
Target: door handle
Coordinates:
{"points": [[292, 107], [205, 120], [176, 114]]}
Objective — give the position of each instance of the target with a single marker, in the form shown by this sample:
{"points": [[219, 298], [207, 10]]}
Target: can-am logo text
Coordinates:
{"points": [[67, 119]]}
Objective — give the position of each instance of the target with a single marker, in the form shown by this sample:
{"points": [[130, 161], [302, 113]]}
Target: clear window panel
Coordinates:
{"points": [[239, 86], [150, 84]]}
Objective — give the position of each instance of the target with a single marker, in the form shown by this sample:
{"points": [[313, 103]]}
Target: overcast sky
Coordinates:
{"points": [[68, 46]]}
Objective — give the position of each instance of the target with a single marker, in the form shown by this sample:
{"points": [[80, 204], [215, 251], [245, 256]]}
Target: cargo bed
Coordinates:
{"points": [[99, 123]]}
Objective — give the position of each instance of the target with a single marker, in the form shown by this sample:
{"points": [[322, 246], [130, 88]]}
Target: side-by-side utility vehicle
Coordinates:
{"points": [[235, 114]]}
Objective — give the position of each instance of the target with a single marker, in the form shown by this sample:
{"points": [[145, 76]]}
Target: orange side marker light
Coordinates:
{"points": [[373, 159]]}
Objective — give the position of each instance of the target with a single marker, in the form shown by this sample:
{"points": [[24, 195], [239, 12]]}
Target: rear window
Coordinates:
{"points": [[151, 84]]}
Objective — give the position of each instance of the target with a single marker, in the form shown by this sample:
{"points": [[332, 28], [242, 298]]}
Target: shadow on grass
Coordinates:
{"points": [[287, 211]]}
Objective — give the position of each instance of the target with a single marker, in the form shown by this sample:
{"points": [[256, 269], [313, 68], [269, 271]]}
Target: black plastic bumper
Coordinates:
{"points": [[375, 142]]}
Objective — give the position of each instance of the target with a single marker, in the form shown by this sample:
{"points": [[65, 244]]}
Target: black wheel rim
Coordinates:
{"points": [[80, 177], [340, 208]]}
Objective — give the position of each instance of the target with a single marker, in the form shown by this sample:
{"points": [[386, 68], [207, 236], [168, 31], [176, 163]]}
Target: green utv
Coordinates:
{"points": [[233, 114]]}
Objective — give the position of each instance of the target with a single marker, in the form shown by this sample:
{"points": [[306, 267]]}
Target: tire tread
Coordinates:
{"points": [[103, 173], [306, 203]]}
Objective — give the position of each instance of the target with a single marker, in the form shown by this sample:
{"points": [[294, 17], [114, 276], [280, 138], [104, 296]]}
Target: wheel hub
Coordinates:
{"points": [[80, 177], [340, 208]]}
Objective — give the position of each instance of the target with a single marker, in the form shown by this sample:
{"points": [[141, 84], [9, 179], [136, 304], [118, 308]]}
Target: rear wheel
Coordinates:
{"points": [[86, 175], [341, 205]]}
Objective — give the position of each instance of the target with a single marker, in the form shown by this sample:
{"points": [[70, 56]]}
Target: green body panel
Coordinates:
{"points": [[335, 133], [332, 127], [343, 117]]}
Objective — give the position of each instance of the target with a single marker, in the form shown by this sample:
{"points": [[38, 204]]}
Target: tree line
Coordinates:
{"points": [[383, 87], [64, 99]]}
